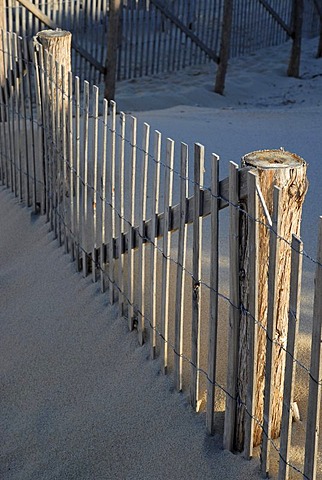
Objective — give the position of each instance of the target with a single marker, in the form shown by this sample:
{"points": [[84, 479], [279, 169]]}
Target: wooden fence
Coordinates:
{"points": [[120, 201], [157, 36]]}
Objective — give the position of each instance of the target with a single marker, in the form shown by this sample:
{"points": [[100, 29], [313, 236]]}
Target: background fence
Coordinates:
{"points": [[120, 200], [157, 36]]}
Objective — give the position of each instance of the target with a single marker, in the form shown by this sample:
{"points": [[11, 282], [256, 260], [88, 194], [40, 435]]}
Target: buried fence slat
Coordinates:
{"points": [[168, 182], [314, 403], [252, 315], [293, 328], [121, 212], [132, 220], [94, 198], [154, 240], [196, 276], [141, 252], [112, 203], [103, 196], [213, 313], [233, 328], [181, 261], [85, 170], [274, 244]]}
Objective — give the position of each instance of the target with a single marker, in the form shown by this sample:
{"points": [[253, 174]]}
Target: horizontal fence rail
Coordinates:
{"points": [[120, 201]]}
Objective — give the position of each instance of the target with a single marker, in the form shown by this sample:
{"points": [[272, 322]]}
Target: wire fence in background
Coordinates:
{"points": [[121, 202]]}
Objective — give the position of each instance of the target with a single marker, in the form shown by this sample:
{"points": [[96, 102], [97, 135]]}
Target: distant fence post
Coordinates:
{"points": [[297, 21], [224, 47], [112, 44], [287, 171], [54, 54]]}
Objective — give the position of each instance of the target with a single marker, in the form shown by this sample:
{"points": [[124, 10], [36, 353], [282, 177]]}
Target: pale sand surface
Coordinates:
{"points": [[79, 398]]}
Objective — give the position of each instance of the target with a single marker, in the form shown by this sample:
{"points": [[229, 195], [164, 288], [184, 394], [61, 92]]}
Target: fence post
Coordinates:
{"points": [[287, 171], [224, 47], [297, 21], [112, 44], [56, 45]]}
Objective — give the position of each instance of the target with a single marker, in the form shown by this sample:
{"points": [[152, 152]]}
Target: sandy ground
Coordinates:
{"points": [[79, 398]]}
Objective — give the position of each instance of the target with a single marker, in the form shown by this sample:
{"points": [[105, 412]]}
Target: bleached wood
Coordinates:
{"points": [[154, 240], [78, 170], [144, 174], [166, 248], [199, 153], [289, 383], [94, 198], [112, 201], [287, 171], [233, 328], [103, 195], [213, 310], [314, 403], [70, 167], [121, 211], [253, 255], [132, 221], [274, 258], [85, 170], [181, 260]]}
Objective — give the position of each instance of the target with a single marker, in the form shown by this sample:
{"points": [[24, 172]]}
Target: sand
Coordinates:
{"points": [[79, 398]]}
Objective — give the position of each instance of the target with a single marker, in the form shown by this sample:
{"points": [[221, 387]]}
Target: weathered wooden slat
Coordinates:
{"points": [[121, 210], [274, 242], [141, 283], [199, 153], [252, 204], [166, 248], [233, 329], [131, 234], [112, 201], [181, 260], [71, 175], [103, 196], [78, 171], [289, 383], [154, 241], [213, 310], [314, 403], [85, 170], [94, 191]]}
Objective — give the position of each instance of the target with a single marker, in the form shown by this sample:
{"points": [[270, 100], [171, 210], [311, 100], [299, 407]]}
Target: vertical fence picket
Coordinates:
{"points": [[181, 263], [16, 115], [274, 243], [70, 157], [94, 191], [51, 116], [233, 328], [314, 404], [142, 250], [196, 276], [112, 203], [23, 114], [85, 182], [64, 161], [103, 197], [132, 220], [168, 183], [252, 203], [78, 172], [154, 240], [213, 311], [293, 329], [121, 213], [39, 136]]}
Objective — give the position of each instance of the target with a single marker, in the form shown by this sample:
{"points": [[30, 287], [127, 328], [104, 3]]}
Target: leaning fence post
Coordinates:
{"points": [[56, 45], [287, 171]]}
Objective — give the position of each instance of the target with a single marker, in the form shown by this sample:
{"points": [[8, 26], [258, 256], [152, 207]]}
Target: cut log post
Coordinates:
{"points": [[57, 47], [287, 171]]}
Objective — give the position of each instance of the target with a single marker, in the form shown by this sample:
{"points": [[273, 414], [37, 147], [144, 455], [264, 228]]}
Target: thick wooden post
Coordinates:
{"points": [[224, 47], [112, 44], [287, 171], [54, 48], [294, 63]]}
